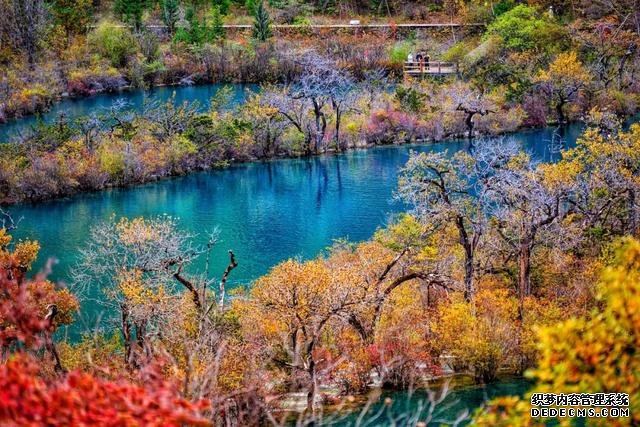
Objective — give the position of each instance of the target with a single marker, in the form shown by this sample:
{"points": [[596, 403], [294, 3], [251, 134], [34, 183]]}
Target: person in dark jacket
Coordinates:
{"points": [[420, 61]]}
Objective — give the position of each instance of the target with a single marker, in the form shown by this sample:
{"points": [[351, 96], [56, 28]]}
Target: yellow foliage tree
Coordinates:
{"points": [[563, 80], [599, 354], [481, 337]]}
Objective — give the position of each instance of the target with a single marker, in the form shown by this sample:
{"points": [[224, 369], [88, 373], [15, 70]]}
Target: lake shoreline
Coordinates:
{"points": [[329, 152], [341, 407]]}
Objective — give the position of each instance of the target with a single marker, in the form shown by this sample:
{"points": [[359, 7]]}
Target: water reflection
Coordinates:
{"points": [[266, 211]]}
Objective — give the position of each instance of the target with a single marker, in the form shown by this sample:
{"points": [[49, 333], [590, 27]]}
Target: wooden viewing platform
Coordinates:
{"points": [[432, 68]]}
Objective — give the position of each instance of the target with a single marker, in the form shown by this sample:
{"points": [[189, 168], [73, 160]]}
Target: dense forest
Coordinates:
{"points": [[500, 264]]}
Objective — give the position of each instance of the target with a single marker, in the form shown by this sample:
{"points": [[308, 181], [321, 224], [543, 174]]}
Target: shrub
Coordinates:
{"points": [[479, 338], [399, 52], [82, 399], [521, 28], [114, 43], [29, 100], [87, 81], [390, 127], [111, 159]]}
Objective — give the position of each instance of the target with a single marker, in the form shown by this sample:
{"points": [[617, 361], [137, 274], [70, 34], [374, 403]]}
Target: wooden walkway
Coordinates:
{"points": [[433, 68], [324, 26], [330, 26]]}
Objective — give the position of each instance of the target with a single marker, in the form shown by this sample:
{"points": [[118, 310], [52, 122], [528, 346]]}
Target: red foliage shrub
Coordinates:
{"points": [[24, 303], [391, 126], [81, 399], [78, 88], [28, 397], [536, 110]]}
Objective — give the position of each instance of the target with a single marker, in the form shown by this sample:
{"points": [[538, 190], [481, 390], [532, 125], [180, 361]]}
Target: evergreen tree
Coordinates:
{"points": [[262, 25], [216, 30], [170, 11], [250, 5], [130, 11], [73, 15], [222, 5], [197, 29]]}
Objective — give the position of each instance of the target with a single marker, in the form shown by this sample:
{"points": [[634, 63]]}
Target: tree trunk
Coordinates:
{"points": [[524, 265], [560, 111], [321, 125], [297, 364], [232, 264], [127, 337], [313, 386], [633, 212], [338, 118], [48, 339], [469, 122], [623, 62], [468, 259], [468, 276], [366, 335]]}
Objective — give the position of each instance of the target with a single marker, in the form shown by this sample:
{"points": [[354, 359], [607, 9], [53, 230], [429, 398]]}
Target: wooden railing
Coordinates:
{"points": [[431, 67]]}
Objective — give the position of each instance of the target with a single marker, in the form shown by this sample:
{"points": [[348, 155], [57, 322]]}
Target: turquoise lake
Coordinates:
{"points": [[72, 108], [458, 404], [266, 212]]}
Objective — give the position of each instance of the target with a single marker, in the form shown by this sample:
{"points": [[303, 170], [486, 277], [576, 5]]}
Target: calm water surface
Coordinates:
{"points": [[98, 104], [265, 211], [460, 400]]}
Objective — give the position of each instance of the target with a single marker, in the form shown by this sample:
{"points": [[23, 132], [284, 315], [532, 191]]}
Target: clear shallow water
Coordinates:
{"points": [[76, 107], [266, 212], [460, 399]]}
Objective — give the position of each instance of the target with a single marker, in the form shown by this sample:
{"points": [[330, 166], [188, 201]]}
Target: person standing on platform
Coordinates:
{"points": [[419, 59]]}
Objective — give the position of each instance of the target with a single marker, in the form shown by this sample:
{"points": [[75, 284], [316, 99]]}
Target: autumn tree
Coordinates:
{"points": [[320, 84], [594, 354], [295, 111], [22, 23], [31, 310], [471, 102], [480, 337], [299, 300], [614, 47], [563, 81], [403, 253], [440, 190], [169, 119], [266, 125], [605, 163], [139, 266], [530, 200]]}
